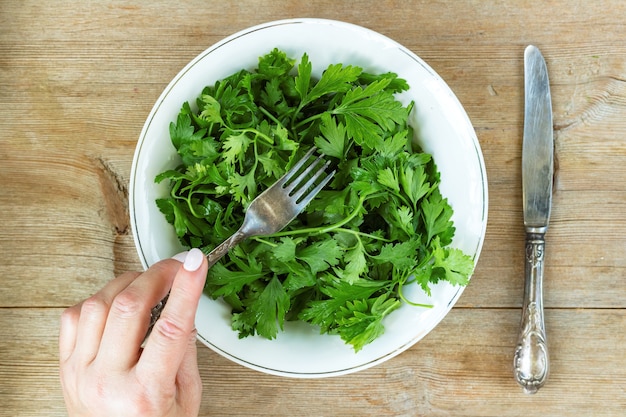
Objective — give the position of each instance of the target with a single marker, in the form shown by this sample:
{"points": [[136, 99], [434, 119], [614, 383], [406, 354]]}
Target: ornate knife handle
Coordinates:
{"points": [[531, 362]]}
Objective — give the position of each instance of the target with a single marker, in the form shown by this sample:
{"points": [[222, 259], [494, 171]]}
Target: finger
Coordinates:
{"points": [[129, 315], [188, 379], [168, 342], [67, 332], [93, 316]]}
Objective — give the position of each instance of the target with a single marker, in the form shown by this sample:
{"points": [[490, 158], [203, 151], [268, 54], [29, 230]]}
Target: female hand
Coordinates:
{"points": [[104, 370]]}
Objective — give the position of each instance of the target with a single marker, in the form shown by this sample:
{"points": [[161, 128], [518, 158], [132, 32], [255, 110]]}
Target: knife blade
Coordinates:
{"points": [[531, 361]]}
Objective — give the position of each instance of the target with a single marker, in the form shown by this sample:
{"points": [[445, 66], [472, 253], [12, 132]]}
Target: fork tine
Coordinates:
{"points": [[287, 176], [307, 199], [302, 189], [296, 182]]}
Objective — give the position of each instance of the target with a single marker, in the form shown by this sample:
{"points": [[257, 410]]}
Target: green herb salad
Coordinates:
{"points": [[381, 223]]}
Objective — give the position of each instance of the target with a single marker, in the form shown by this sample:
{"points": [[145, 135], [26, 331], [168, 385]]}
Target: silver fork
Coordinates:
{"points": [[270, 211]]}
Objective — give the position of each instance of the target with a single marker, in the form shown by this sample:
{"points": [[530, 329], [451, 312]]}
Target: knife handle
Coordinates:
{"points": [[531, 363]]}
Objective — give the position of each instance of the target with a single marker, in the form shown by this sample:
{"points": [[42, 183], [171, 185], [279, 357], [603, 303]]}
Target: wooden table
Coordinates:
{"points": [[77, 80]]}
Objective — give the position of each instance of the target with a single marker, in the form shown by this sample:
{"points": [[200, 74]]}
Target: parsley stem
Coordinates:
{"points": [[409, 302], [323, 229], [267, 242], [270, 116], [361, 234], [257, 134], [406, 280], [391, 308], [308, 120]]}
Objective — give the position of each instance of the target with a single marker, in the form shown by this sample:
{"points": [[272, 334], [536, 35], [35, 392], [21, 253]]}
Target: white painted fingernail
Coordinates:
{"points": [[194, 260], [180, 257]]}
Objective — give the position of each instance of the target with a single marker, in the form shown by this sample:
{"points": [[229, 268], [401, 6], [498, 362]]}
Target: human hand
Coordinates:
{"points": [[105, 372]]}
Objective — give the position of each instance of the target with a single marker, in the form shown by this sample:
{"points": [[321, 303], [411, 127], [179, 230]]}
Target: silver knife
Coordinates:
{"points": [[531, 362]]}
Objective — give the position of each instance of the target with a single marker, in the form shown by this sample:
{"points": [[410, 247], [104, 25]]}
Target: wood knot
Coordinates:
{"points": [[115, 196]]}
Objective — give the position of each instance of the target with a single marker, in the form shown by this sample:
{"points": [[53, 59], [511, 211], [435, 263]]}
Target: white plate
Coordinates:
{"points": [[442, 128]]}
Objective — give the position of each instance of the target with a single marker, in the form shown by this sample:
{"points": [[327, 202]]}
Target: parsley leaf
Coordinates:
{"points": [[234, 145], [370, 112], [361, 320], [270, 309], [226, 281], [321, 255], [332, 142], [303, 79], [455, 263], [337, 78], [437, 214], [355, 264]]}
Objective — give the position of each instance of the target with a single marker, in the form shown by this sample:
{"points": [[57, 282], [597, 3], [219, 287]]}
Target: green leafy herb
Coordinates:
{"points": [[379, 225]]}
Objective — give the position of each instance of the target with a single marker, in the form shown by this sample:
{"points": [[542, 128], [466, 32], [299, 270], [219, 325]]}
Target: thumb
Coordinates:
{"points": [[171, 334]]}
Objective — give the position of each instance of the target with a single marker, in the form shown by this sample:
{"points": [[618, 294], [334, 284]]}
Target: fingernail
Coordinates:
{"points": [[180, 257], [193, 260]]}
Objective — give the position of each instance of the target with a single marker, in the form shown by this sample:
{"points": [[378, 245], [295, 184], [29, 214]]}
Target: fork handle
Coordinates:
{"points": [[222, 249], [215, 255]]}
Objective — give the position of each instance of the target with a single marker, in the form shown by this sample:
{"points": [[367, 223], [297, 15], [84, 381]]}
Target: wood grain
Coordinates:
{"points": [[77, 80], [462, 368]]}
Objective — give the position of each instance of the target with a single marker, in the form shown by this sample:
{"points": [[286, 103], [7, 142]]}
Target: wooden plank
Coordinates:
{"points": [[462, 368]]}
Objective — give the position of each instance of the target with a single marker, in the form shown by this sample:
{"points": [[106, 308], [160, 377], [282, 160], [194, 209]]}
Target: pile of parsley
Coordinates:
{"points": [[379, 225]]}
